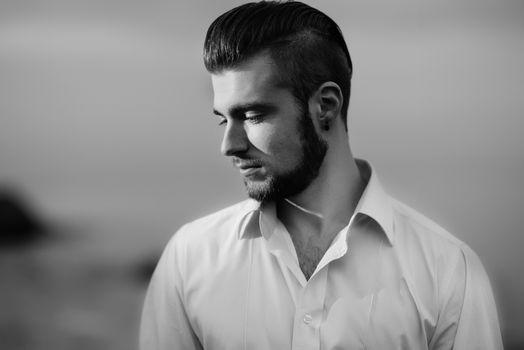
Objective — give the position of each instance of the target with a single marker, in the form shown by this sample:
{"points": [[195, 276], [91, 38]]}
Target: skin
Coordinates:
{"points": [[271, 140], [262, 136], [261, 123]]}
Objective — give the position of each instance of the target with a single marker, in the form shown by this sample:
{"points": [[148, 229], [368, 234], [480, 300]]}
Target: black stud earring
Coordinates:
{"points": [[325, 125]]}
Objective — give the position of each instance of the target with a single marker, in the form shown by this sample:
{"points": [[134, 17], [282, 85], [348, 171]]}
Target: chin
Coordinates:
{"points": [[262, 191], [275, 188]]}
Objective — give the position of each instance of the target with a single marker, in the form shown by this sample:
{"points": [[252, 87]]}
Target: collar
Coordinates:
{"points": [[374, 203]]}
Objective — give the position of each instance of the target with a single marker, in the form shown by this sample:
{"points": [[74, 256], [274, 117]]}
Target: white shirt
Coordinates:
{"points": [[392, 279]]}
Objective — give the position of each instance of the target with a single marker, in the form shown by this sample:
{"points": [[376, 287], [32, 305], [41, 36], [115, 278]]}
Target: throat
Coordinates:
{"points": [[308, 233], [309, 255]]}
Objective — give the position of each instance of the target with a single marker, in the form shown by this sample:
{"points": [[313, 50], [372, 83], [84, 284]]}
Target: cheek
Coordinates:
{"points": [[272, 141]]}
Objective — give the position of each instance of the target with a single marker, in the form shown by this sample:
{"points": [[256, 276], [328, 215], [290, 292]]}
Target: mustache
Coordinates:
{"points": [[245, 162]]}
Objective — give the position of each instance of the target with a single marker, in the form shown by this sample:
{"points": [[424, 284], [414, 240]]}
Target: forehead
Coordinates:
{"points": [[251, 81]]}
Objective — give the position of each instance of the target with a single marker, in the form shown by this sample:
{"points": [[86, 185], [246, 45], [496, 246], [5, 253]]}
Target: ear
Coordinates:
{"points": [[328, 100]]}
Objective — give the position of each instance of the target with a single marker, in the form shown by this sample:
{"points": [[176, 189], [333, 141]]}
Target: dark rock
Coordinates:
{"points": [[18, 223]]}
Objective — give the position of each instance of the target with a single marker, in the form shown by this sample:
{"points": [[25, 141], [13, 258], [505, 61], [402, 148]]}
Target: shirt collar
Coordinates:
{"points": [[249, 214], [257, 219], [374, 203]]}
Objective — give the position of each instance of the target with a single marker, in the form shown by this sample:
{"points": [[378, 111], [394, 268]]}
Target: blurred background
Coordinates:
{"points": [[108, 145]]}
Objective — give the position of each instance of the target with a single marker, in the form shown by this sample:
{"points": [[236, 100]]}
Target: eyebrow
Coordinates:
{"points": [[242, 109]]}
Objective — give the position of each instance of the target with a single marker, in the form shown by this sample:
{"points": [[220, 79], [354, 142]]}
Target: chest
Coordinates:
{"points": [[309, 253], [257, 302]]}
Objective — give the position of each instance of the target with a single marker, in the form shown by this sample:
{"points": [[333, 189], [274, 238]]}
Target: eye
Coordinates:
{"points": [[253, 116], [222, 122]]}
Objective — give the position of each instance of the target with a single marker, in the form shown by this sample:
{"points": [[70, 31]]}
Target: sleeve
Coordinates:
{"points": [[478, 326], [468, 316], [164, 323]]}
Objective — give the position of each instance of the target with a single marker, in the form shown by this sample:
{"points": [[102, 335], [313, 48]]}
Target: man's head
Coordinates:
{"points": [[279, 70], [306, 45], [271, 139]]}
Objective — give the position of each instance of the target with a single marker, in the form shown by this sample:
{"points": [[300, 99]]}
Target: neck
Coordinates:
{"points": [[327, 204]]}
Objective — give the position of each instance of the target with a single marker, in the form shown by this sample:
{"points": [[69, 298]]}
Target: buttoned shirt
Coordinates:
{"points": [[391, 279]]}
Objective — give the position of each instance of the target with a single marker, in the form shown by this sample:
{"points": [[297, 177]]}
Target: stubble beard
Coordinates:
{"points": [[279, 186]]}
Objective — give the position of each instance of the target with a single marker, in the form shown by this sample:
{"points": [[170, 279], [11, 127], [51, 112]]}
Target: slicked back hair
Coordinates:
{"points": [[307, 46]]}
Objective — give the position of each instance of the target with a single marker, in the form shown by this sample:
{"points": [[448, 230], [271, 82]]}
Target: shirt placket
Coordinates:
{"points": [[310, 307], [309, 312]]}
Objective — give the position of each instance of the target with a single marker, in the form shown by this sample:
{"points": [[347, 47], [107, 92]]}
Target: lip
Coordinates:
{"points": [[248, 170], [241, 163]]}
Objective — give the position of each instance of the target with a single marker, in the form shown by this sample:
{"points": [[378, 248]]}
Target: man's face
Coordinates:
{"points": [[271, 140]]}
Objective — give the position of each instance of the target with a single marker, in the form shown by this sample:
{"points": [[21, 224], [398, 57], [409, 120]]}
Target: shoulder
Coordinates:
{"points": [[210, 243], [417, 233], [445, 257], [414, 228], [226, 218], [214, 228], [436, 260], [431, 253], [458, 285]]}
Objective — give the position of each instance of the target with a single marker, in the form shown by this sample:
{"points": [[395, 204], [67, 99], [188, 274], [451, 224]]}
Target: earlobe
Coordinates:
{"points": [[325, 124]]}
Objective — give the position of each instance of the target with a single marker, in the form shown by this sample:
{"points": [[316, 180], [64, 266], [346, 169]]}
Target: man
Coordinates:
{"points": [[320, 257]]}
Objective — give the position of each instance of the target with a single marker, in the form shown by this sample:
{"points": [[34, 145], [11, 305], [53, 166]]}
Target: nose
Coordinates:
{"points": [[235, 139]]}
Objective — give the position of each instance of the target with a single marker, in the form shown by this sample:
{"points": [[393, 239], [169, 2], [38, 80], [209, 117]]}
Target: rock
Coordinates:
{"points": [[18, 224]]}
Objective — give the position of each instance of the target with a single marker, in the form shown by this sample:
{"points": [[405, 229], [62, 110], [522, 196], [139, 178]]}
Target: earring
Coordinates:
{"points": [[325, 125]]}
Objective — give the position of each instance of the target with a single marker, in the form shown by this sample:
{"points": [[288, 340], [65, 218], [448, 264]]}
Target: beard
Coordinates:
{"points": [[279, 186]]}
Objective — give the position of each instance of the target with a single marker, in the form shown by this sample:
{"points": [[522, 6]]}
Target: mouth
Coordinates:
{"points": [[247, 167], [249, 171]]}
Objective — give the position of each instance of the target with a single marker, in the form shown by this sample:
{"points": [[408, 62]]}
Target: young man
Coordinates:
{"points": [[320, 257]]}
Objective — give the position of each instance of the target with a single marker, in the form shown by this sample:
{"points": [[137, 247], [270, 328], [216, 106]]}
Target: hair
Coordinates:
{"points": [[306, 45]]}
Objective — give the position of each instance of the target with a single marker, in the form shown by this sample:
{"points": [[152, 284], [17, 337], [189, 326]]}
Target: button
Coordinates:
{"points": [[307, 319]]}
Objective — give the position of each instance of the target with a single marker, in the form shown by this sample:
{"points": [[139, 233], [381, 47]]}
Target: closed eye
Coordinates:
{"points": [[253, 113], [222, 121], [253, 117]]}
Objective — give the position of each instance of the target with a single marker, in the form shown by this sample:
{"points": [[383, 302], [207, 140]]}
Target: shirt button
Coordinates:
{"points": [[307, 319]]}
